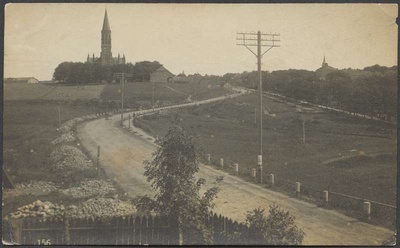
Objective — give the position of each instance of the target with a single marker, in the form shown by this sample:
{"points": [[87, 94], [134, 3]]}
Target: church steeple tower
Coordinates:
{"points": [[106, 55], [324, 62]]}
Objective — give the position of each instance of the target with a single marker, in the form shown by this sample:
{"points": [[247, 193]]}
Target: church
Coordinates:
{"points": [[324, 70], [106, 58]]}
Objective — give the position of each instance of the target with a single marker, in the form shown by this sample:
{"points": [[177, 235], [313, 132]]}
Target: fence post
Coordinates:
{"points": [[67, 236], [272, 179], [298, 186], [367, 209], [129, 121], [326, 197], [254, 173], [208, 158], [221, 162], [237, 169], [98, 161], [17, 225]]}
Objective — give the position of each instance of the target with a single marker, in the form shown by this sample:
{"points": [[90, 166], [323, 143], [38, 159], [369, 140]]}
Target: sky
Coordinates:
{"points": [[199, 38]]}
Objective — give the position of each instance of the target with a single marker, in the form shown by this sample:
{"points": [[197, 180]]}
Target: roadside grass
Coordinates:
{"points": [[28, 130], [226, 129]]}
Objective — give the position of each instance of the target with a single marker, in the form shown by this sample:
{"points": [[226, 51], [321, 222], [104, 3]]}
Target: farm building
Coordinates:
{"points": [[324, 70], [161, 75], [28, 80], [181, 78]]}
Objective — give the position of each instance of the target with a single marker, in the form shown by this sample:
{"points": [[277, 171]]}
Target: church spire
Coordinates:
{"points": [[324, 61], [106, 24]]}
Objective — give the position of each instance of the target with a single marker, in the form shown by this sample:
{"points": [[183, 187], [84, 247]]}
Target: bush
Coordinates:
{"points": [[278, 228]]}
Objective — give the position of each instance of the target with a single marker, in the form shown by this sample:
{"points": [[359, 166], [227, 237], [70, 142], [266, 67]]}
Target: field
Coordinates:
{"points": [[28, 130], [163, 93], [51, 92], [349, 155], [31, 121]]}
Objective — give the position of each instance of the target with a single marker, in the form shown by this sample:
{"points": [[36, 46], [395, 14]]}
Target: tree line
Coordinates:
{"points": [[371, 91], [87, 73]]}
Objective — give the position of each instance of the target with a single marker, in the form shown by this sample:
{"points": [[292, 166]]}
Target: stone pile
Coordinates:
{"points": [[101, 207], [36, 187], [67, 159], [68, 125], [43, 210], [90, 188], [64, 138]]}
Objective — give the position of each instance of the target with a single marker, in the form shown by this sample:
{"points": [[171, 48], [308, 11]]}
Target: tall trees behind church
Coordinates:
{"points": [[75, 73]]}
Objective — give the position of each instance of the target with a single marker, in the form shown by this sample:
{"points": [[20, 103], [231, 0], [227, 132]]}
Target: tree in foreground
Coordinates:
{"points": [[278, 228], [171, 172]]}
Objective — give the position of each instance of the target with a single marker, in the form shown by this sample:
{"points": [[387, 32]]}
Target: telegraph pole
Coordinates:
{"points": [[59, 116], [121, 76], [259, 39], [152, 95]]}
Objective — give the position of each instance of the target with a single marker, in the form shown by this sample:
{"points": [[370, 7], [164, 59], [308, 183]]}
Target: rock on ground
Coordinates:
{"points": [[67, 159], [64, 138], [90, 188], [43, 210], [101, 207]]}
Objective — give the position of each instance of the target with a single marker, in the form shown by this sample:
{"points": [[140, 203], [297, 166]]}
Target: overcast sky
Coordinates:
{"points": [[199, 37]]}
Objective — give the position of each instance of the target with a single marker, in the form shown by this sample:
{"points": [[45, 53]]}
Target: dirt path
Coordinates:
{"points": [[122, 155]]}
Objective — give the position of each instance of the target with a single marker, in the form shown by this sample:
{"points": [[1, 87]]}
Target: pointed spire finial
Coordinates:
{"points": [[324, 61], [106, 24]]}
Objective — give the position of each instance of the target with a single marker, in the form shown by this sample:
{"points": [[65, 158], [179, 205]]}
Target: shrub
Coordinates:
{"points": [[278, 228]]}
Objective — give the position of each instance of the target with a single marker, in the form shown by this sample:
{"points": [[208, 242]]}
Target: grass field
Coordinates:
{"points": [[340, 152], [163, 93], [51, 92], [28, 129], [200, 91]]}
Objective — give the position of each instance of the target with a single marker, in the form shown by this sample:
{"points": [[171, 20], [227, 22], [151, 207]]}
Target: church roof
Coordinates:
{"points": [[106, 24], [324, 70]]}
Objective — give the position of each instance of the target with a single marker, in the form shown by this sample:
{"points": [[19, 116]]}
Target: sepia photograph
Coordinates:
{"points": [[206, 124]]}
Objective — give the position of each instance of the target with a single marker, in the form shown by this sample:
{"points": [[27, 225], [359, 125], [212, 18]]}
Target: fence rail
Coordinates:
{"points": [[128, 230]]}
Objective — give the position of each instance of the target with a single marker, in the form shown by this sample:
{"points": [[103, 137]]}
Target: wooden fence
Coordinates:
{"points": [[129, 230]]}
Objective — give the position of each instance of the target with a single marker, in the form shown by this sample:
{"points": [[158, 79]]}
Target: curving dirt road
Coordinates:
{"points": [[122, 155]]}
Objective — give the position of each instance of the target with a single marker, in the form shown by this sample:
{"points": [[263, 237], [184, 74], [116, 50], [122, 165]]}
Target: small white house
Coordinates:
{"points": [[29, 80]]}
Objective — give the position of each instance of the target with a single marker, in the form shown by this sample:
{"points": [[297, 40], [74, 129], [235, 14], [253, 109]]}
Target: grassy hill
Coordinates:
{"points": [[163, 93], [227, 129], [51, 92]]}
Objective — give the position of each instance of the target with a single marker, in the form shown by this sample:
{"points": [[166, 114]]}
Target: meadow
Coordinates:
{"points": [[54, 92], [349, 155]]}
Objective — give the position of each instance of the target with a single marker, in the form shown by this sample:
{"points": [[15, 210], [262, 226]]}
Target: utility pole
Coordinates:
{"points": [[59, 116], [152, 96], [255, 115], [304, 132], [121, 76], [259, 39]]}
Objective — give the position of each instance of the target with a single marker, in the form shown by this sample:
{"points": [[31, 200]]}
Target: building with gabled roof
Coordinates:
{"points": [[29, 80], [161, 75]]}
